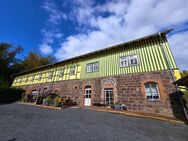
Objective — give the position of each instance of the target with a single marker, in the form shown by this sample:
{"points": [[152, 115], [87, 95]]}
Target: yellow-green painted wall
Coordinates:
{"points": [[149, 51], [27, 78], [151, 58]]}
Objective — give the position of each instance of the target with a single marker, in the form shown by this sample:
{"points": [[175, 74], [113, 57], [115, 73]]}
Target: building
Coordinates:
{"points": [[137, 73]]}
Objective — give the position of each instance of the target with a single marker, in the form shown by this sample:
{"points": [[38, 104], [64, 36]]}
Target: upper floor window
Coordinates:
{"points": [[26, 79], [32, 78], [61, 73], [92, 67], [129, 60], [50, 75], [72, 70], [133, 60], [124, 61], [40, 77], [152, 90]]}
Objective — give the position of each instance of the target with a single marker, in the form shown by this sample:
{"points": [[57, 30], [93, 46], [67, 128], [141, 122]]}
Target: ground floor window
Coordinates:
{"points": [[34, 94], [109, 97], [152, 90]]}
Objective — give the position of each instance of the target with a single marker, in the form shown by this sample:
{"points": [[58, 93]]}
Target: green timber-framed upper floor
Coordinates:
{"points": [[145, 54]]}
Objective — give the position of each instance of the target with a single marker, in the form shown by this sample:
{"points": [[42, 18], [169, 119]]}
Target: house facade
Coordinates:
{"points": [[138, 74]]}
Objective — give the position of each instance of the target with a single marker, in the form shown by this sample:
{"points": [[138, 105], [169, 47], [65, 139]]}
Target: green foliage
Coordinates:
{"points": [[34, 60], [53, 100], [8, 62], [184, 73], [8, 95], [10, 65]]}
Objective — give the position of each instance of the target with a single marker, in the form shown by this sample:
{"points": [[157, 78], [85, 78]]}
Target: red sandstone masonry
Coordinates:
{"points": [[128, 90]]}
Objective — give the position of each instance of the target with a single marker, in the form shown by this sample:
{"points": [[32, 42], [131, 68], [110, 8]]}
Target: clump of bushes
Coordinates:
{"points": [[8, 95], [99, 104]]}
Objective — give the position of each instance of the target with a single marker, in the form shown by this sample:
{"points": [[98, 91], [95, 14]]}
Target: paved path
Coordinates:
{"points": [[28, 123]]}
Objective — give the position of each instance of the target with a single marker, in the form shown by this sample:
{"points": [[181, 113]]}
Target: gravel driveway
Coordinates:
{"points": [[28, 123]]}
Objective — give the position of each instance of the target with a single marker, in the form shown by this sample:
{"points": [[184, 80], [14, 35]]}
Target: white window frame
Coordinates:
{"points": [[32, 78], [132, 57], [122, 61], [72, 70], [40, 77], [50, 75], [92, 67], [89, 68], [152, 95], [26, 79], [125, 61], [61, 72]]}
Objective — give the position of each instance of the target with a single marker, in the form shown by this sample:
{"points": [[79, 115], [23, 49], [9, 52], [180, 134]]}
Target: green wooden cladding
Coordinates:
{"points": [[151, 58]]}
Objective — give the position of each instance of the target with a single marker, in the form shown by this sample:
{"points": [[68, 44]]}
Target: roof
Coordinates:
{"points": [[182, 81], [98, 51]]}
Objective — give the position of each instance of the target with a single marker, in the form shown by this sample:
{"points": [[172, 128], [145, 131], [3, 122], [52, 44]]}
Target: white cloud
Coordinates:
{"points": [[179, 46], [50, 33], [45, 49], [118, 21], [55, 15]]}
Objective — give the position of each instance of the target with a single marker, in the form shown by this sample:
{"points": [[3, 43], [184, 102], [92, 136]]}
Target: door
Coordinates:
{"points": [[109, 97], [87, 100]]}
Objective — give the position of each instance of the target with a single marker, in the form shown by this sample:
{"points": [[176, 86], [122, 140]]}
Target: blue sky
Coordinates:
{"points": [[65, 28]]}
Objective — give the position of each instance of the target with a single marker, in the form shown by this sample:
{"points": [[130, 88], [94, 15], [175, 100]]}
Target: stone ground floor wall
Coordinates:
{"points": [[128, 89]]}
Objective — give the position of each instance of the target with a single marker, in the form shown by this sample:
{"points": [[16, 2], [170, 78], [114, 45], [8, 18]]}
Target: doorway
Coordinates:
{"points": [[109, 96], [87, 99]]}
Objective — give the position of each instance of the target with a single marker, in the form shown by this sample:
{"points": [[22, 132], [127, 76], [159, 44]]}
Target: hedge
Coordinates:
{"points": [[8, 95]]}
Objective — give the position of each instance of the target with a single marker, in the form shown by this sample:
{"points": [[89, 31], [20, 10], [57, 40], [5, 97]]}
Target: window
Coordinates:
{"points": [[72, 70], [152, 91], [124, 61], [109, 97], [89, 67], [92, 67], [133, 60], [26, 79], [32, 78], [20, 80], [50, 75], [129, 60], [61, 73], [45, 91], [40, 77]]}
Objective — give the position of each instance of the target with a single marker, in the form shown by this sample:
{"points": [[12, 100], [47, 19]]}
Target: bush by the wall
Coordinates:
{"points": [[8, 95]]}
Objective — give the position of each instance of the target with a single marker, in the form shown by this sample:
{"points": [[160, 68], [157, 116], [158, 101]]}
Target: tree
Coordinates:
{"points": [[10, 65], [34, 60], [8, 62], [184, 73]]}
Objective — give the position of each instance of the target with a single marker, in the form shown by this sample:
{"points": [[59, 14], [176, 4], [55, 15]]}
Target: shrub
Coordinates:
{"points": [[8, 95], [57, 101], [99, 104]]}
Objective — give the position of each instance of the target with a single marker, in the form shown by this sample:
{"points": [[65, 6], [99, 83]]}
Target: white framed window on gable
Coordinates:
{"points": [[130, 60], [124, 61], [72, 70], [92, 67], [61, 72], [50, 75], [39, 77]]}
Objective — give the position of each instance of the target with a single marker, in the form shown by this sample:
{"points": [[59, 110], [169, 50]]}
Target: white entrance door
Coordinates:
{"points": [[87, 100]]}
